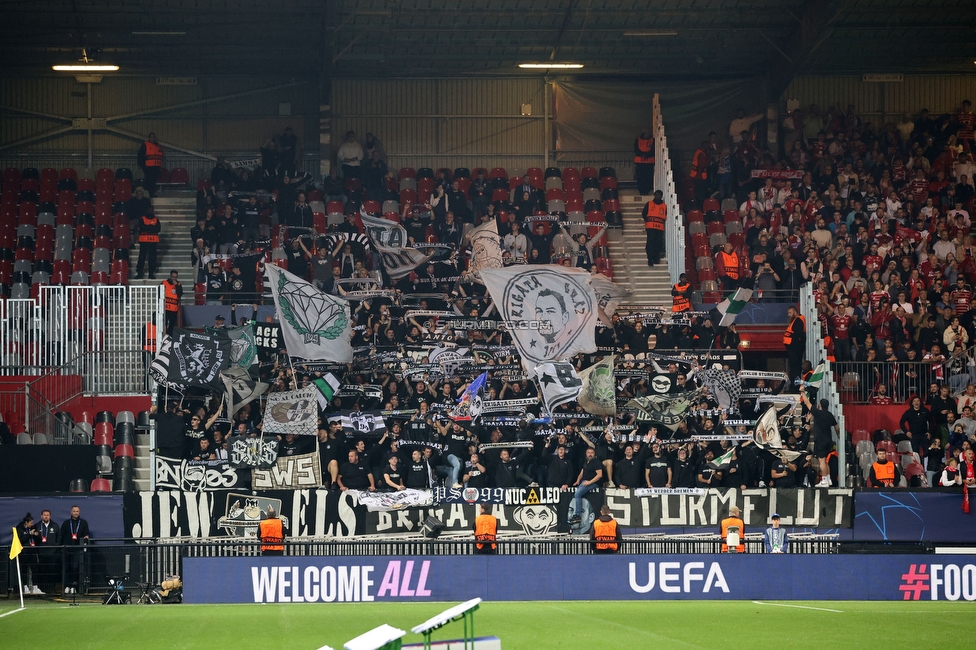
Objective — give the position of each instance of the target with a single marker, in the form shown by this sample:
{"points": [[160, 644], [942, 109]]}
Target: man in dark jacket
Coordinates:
{"points": [[74, 536], [561, 470]]}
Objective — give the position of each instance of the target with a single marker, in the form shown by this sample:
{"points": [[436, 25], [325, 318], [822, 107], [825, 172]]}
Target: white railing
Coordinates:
{"points": [[816, 353], [65, 323], [674, 233]]}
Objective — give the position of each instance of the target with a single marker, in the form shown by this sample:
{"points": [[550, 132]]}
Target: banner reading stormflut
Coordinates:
{"points": [[314, 325], [293, 411], [551, 313]]}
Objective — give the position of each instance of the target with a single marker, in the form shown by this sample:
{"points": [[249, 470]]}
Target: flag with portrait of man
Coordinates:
{"points": [[550, 312]]}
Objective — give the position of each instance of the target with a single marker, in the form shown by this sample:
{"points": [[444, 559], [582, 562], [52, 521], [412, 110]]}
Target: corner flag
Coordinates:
{"points": [[15, 546]]}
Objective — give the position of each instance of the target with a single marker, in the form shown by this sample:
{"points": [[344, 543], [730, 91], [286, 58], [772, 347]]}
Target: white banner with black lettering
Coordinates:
{"points": [[195, 475], [301, 472]]}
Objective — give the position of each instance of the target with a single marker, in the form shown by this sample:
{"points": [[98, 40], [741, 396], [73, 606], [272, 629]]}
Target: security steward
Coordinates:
{"points": [[149, 343], [485, 532], [150, 159], [732, 521], [644, 162], [148, 242], [884, 473], [681, 295], [655, 217], [728, 268], [272, 534], [173, 294], [795, 341], [699, 172], [605, 532]]}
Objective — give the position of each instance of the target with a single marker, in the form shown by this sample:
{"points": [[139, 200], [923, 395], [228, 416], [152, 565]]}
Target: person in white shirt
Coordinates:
{"points": [[742, 122], [749, 204], [350, 156], [784, 193]]}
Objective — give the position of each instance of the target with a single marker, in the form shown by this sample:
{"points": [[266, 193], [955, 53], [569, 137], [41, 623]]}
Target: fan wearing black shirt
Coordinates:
{"points": [[657, 470], [475, 473], [353, 475], [708, 476], [682, 470], [561, 470], [297, 261], [392, 478], [627, 470], [418, 472]]}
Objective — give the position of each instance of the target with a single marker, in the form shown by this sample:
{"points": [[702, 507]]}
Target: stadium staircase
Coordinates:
{"points": [[651, 286], [176, 210]]}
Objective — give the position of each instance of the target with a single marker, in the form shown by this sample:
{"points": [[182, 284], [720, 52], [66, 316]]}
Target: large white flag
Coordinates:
{"points": [[597, 395], [550, 311], [486, 251], [767, 436], [390, 242], [315, 325], [608, 295]]}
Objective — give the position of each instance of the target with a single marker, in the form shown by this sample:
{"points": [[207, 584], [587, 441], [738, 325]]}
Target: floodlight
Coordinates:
{"points": [[85, 64], [551, 66]]}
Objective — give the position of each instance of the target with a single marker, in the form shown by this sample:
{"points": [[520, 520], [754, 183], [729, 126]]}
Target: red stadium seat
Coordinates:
{"points": [[100, 485], [408, 197], [178, 176], [860, 435], [496, 172], [499, 194], [372, 207], [68, 173], [710, 205], [730, 215], [124, 451], [589, 172], [407, 172], [695, 215]]}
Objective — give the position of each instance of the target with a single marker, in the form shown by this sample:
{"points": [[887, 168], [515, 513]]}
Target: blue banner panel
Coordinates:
{"points": [[621, 577], [916, 516], [102, 512]]}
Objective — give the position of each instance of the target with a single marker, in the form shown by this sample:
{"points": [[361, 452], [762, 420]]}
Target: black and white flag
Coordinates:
{"points": [[293, 411], [608, 296], [390, 242], [252, 453], [558, 384], [198, 359], [159, 368], [723, 385], [240, 388], [550, 312], [360, 423], [243, 347], [666, 411]]}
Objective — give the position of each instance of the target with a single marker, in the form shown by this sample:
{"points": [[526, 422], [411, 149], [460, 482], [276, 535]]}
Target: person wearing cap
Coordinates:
{"points": [[775, 537], [218, 322], [733, 521]]}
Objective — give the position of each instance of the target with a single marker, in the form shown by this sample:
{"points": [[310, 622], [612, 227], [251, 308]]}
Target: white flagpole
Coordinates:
{"points": [[20, 584]]}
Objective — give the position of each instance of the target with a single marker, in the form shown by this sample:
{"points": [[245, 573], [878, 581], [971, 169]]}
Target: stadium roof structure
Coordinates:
{"points": [[383, 38]]}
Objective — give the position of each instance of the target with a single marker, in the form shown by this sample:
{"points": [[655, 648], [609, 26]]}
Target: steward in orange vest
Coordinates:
{"points": [[174, 292], [699, 173], [884, 473], [728, 267], [150, 159], [730, 521], [605, 532], [485, 530], [681, 295], [148, 241], [272, 534], [644, 162], [655, 218]]}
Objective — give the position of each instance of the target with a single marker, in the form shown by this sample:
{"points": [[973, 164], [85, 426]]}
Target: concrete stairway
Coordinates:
{"points": [[651, 286], [142, 466], [176, 210]]}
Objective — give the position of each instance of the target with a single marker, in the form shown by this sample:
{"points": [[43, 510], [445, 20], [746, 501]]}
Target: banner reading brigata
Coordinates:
{"points": [[544, 577]]}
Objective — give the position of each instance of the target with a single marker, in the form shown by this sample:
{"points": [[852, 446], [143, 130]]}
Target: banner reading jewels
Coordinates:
{"points": [[549, 577]]}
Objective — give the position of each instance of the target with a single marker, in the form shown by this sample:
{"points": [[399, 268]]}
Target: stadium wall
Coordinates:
{"points": [[589, 577]]}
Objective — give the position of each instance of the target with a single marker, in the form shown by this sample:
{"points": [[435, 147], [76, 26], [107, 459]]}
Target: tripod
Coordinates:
{"points": [[117, 594]]}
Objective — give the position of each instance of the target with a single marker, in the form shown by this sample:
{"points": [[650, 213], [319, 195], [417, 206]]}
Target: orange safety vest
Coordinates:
{"points": [[680, 301], [646, 148], [154, 155], [147, 237], [731, 263], [272, 535], [172, 300], [605, 534], [699, 165], [733, 521], [657, 216], [149, 345], [885, 474], [788, 334], [485, 530]]}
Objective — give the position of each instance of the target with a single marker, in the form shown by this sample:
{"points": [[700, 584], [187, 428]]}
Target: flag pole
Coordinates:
{"points": [[20, 584]]}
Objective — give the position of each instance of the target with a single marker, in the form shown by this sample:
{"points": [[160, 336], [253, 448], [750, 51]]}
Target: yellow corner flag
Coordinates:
{"points": [[15, 546]]}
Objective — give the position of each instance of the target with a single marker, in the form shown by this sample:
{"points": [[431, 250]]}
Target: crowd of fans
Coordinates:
{"points": [[878, 219]]}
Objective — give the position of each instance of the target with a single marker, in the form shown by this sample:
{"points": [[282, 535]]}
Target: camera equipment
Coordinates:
{"points": [[432, 527], [117, 594]]}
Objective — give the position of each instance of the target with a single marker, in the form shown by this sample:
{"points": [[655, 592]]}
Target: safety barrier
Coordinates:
{"points": [[816, 353], [664, 180]]}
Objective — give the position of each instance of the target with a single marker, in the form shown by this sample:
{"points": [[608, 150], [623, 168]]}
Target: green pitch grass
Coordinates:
{"points": [[520, 626]]}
